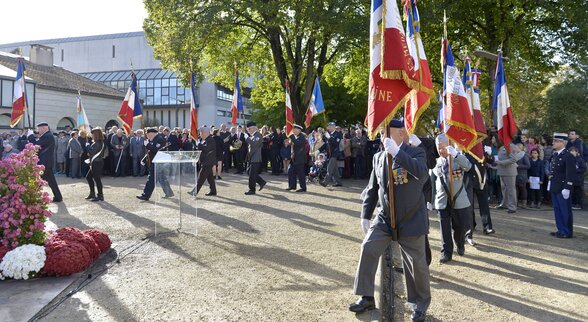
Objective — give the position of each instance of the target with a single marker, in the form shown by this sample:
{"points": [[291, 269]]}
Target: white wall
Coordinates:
{"points": [[52, 106]]}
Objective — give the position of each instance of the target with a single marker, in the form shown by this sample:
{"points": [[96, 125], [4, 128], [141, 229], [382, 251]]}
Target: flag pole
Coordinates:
{"points": [[390, 185]]}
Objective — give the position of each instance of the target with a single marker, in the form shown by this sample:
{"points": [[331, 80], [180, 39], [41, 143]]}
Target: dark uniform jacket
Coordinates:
{"points": [[563, 170], [298, 145], [477, 173], [333, 144], [96, 151], [174, 142], [154, 146], [208, 154], [47, 152], [409, 201], [255, 143]]}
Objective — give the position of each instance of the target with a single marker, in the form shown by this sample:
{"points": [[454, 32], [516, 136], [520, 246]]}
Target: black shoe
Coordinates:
{"points": [[489, 231], [555, 233], [461, 251], [337, 185], [168, 196], [558, 235], [218, 178], [98, 198], [288, 189], [362, 305], [57, 200], [444, 259], [301, 190], [262, 185], [322, 183], [91, 196], [250, 192], [142, 197], [210, 194], [511, 211], [417, 316]]}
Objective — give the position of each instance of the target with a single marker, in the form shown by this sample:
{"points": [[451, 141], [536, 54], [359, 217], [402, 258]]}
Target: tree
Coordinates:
{"points": [[272, 41]]}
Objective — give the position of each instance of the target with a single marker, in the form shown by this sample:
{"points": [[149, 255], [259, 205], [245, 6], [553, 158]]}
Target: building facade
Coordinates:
{"points": [[107, 59]]}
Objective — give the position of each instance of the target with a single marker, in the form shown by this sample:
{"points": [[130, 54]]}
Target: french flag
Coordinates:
{"points": [[19, 101], [316, 104], [459, 120], [507, 129], [193, 109], [289, 111], [131, 107], [392, 70], [237, 104], [471, 81], [417, 104]]}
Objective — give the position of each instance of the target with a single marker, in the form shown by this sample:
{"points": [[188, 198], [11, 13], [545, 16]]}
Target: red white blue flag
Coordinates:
{"points": [[316, 105], [237, 104], [417, 104], [507, 129], [19, 98], [193, 109], [289, 111], [131, 107], [471, 82], [393, 77]]}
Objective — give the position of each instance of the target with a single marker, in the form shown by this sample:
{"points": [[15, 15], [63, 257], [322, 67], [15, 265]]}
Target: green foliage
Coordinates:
{"points": [[567, 106]]}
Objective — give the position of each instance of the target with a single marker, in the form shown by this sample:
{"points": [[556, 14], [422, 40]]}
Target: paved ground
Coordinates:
{"points": [[281, 256]]}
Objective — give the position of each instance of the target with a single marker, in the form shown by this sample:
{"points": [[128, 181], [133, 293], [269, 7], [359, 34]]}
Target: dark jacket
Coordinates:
{"points": [[537, 169], [563, 171], [298, 145], [477, 173], [409, 201], [174, 143], [333, 144], [158, 143], [47, 152], [522, 168], [580, 170], [208, 154], [219, 147], [96, 152]]}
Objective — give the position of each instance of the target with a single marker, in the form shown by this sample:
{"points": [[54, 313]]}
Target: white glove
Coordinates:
{"points": [[452, 151], [327, 135], [145, 142], [429, 206], [414, 140], [488, 150], [365, 225], [143, 163], [391, 147], [566, 194], [30, 132]]}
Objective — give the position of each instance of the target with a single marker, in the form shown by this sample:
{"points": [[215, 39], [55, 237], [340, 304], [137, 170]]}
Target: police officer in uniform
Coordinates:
{"points": [[47, 157], [255, 143], [450, 197], [333, 138], [154, 143], [296, 169], [207, 145], [561, 181], [408, 225]]}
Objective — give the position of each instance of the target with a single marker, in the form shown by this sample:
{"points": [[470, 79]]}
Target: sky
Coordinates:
{"points": [[24, 20]]}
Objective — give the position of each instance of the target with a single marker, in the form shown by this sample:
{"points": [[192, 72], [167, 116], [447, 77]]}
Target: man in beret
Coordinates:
{"points": [[407, 222], [296, 169], [561, 181], [46, 141], [255, 143], [207, 145], [155, 142]]}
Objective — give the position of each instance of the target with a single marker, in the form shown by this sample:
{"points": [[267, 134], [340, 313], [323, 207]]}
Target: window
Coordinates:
{"points": [[7, 93], [62, 55], [113, 51], [165, 82]]}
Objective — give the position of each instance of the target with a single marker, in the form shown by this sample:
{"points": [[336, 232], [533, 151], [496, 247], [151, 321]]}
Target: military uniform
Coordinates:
{"points": [[410, 173], [563, 171], [453, 208], [207, 161], [158, 143], [296, 169], [255, 143]]}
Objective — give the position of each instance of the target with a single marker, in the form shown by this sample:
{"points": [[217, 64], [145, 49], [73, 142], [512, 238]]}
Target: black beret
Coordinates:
{"points": [[152, 130], [42, 124], [250, 124], [396, 123]]}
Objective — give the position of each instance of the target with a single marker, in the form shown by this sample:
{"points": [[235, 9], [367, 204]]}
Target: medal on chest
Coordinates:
{"points": [[400, 176]]}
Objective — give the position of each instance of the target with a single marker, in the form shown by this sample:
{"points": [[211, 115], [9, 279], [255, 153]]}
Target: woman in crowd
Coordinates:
{"points": [[8, 150], [60, 150], [219, 153], [318, 146], [286, 154], [96, 164], [347, 155], [276, 144], [265, 148], [186, 142], [75, 155], [523, 166], [536, 176]]}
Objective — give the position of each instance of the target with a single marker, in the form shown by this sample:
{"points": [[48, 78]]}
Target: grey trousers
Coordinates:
{"points": [[414, 262], [509, 192], [333, 172], [75, 168]]}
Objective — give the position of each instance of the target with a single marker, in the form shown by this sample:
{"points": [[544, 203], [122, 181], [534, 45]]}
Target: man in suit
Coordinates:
{"points": [[119, 143], [241, 154], [154, 144], [561, 182], [333, 138], [406, 221], [506, 168], [207, 145], [450, 197], [137, 151], [75, 155], [298, 143], [110, 162], [46, 141], [255, 143]]}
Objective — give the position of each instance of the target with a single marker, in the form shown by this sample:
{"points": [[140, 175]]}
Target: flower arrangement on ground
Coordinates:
{"points": [[23, 262]]}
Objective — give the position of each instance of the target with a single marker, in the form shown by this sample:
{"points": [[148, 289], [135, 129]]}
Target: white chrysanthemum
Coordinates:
{"points": [[23, 260], [50, 227]]}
